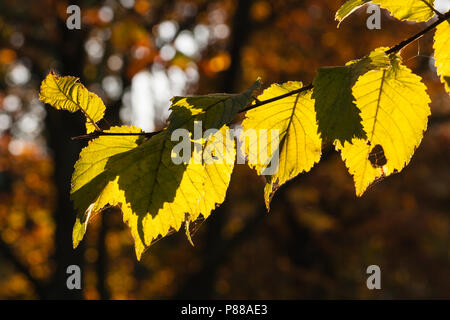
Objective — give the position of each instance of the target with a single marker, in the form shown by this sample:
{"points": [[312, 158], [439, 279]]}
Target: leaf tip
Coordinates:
{"points": [[188, 233], [79, 229]]}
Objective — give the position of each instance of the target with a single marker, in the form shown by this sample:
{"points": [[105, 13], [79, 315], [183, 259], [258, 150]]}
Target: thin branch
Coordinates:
{"points": [[404, 43], [394, 49], [290, 93], [97, 134]]}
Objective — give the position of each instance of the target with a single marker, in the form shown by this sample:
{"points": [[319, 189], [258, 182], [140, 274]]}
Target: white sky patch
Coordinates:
{"points": [[106, 14], [29, 124], [19, 74], [217, 16], [12, 103], [151, 93], [202, 35], [127, 3], [5, 122], [141, 52], [142, 101], [442, 5], [160, 86], [167, 52], [192, 74], [95, 49], [115, 62], [125, 110], [16, 147], [177, 79], [167, 30], [221, 31], [37, 108], [112, 85], [186, 44]]}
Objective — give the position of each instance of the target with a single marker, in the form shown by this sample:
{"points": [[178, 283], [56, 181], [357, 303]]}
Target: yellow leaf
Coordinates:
{"points": [[394, 110], [412, 10], [218, 154], [442, 52], [299, 144], [348, 8], [67, 93], [155, 193], [337, 116], [214, 110]]}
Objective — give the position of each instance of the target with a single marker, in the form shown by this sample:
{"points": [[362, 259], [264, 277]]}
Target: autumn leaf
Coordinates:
{"points": [[299, 144], [67, 93], [411, 10], [155, 193], [348, 8], [214, 110], [92, 182], [394, 110], [442, 52], [337, 115]]}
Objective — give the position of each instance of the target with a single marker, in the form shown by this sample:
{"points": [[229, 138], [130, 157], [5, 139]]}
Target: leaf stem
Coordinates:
{"points": [[258, 103], [404, 43], [97, 134]]}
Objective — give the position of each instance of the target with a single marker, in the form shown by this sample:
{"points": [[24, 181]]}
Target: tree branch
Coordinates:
{"points": [[394, 49], [97, 134], [404, 43]]}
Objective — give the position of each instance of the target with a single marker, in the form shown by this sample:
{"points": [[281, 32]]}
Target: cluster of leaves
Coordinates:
{"points": [[373, 110]]}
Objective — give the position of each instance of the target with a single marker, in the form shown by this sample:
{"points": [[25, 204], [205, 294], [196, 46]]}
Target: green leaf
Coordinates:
{"points": [[67, 93], [394, 109], [214, 110], [348, 8], [442, 52], [299, 144], [411, 10], [91, 183], [337, 115], [155, 194]]}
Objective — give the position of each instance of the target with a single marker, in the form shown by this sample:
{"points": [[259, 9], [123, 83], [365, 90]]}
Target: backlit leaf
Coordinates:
{"points": [[298, 146], [412, 10], [68, 93], [157, 195], [214, 110], [394, 111], [348, 8], [337, 115], [442, 52]]}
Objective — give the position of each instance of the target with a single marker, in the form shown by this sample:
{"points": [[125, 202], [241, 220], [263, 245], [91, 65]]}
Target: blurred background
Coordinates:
{"points": [[318, 239]]}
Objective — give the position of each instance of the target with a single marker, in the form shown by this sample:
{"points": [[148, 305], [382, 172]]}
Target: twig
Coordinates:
{"points": [[439, 14], [394, 49], [97, 134], [404, 43]]}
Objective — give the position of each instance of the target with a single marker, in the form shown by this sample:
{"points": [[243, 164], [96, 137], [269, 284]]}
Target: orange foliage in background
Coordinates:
{"points": [[318, 239]]}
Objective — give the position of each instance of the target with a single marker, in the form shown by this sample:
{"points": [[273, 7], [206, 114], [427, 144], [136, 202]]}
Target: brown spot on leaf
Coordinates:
{"points": [[376, 157]]}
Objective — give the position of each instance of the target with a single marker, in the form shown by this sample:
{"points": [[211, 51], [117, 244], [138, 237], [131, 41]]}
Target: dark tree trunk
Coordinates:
{"points": [[61, 126]]}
